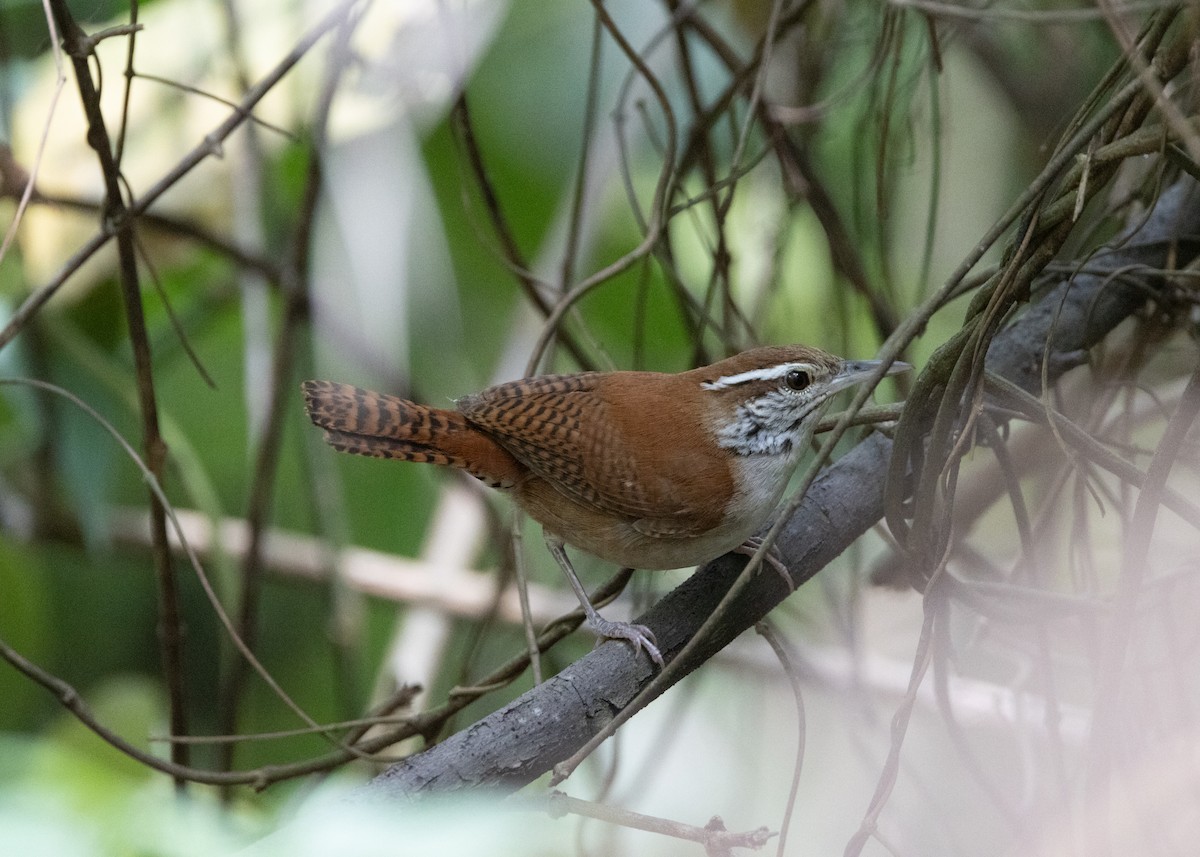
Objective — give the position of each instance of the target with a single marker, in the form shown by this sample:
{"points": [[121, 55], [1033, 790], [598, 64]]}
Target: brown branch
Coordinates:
{"points": [[172, 224], [514, 259], [258, 778], [71, 700], [208, 147], [79, 47], [658, 214], [798, 172], [282, 391], [118, 221]]}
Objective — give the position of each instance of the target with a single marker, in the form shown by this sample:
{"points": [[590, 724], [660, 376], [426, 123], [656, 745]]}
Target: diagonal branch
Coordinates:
{"points": [[518, 743]]}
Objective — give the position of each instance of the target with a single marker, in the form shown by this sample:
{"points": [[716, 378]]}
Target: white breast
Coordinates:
{"points": [[761, 480]]}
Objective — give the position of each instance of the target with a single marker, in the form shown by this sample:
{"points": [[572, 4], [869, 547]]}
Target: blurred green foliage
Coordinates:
{"points": [[81, 602]]}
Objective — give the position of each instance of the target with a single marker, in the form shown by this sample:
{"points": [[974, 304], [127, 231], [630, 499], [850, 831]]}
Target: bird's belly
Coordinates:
{"points": [[760, 483], [621, 543]]}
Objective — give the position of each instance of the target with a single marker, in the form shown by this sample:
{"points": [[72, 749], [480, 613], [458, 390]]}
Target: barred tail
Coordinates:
{"points": [[361, 422]]}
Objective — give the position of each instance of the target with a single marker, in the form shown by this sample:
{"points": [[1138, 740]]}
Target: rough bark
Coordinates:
{"points": [[526, 738]]}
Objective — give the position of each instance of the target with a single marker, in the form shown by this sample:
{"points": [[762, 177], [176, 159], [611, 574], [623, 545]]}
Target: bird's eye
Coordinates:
{"points": [[797, 379]]}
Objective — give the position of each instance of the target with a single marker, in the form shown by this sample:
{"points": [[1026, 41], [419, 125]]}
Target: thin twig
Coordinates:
{"points": [[280, 386], [1113, 671], [208, 147], [713, 836], [789, 669], [170, 632]]}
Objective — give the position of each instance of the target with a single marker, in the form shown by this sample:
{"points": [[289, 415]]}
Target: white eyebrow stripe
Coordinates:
{"points": [[766, 373]]}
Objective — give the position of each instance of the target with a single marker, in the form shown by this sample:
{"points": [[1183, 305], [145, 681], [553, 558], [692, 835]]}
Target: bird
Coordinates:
{"points": [[648, 470]]}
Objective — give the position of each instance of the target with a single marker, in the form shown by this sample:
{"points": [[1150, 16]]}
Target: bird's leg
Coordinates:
{"points": [[771, 557], [639, 635]]}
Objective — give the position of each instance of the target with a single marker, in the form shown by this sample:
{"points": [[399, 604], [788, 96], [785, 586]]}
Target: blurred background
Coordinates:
{"points": [[398, 195]]}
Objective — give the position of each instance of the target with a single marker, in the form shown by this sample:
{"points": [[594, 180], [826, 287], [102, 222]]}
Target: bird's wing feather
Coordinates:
{"points": [[562, 427]]}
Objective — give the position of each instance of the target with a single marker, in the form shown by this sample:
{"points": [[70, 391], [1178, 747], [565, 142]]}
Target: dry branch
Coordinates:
{"points": [[526, 738]]}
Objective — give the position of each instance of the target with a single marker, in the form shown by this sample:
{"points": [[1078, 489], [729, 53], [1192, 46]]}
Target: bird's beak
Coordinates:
{"points": [[856, 371]]}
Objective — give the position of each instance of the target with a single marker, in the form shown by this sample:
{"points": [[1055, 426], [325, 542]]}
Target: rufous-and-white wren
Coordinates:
{"points": [[645, 469]]}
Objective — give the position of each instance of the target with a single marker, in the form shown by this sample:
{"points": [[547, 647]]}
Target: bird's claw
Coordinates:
{"points": [[639, 635], [750, 548]]}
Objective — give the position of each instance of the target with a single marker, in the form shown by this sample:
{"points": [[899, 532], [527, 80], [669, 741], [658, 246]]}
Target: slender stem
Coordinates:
{"points": [[170, 634]]}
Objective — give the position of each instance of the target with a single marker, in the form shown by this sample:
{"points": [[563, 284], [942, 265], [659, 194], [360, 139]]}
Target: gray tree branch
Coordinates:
{"points": [[523, 740]]}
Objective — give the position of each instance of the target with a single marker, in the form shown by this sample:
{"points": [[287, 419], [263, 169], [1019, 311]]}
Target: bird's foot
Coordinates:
{"points": [[639, 635], [771, 557]]}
